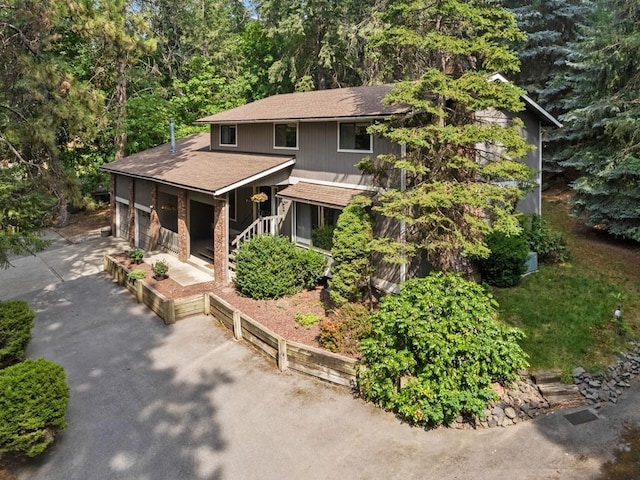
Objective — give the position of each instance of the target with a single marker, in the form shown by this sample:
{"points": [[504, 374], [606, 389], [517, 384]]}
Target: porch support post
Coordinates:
{"points": [[132, 211], [155, 220], [220, 240], [183, 231], [112, 202]]}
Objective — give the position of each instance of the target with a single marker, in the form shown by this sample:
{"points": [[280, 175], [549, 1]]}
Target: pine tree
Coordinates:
{"points": [[456, 158], [603, 124], [45, 110]]}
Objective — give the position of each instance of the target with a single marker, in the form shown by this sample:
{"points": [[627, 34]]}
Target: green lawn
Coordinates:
{"points": [[567, 310]]}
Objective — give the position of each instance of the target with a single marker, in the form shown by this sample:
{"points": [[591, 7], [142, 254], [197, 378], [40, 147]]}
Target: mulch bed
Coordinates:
{"points": [[276, 315]]}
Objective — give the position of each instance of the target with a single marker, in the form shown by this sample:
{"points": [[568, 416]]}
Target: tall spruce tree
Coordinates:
{"points": [[553, 27], [463, 177], [603, 124]]}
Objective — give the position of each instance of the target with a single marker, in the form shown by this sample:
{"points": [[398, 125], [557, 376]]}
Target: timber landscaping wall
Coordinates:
{"points": [[286, 354]]}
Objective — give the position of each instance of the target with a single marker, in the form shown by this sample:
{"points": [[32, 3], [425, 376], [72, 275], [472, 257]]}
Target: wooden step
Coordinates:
{"points": [[558, 394]]}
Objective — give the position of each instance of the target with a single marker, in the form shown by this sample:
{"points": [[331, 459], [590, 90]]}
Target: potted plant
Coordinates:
{"points": [[136, 255], [160, 269]]}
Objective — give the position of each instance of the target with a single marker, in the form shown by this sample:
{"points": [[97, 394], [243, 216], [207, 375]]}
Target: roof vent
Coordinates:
{"points": [[172, 135]]}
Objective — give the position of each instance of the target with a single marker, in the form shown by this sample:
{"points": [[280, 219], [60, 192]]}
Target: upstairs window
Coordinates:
{"points": [[353, 137], [228, 135], [285, 135]]}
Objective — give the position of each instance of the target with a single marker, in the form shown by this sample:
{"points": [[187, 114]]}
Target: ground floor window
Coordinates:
{"points": [[315, 224]]}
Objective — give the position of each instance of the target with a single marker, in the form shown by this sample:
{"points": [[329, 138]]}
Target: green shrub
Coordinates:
{"points": [[351, 253], [507, 261], [435, 350], [33, 401], [349, 324], [137, 274], [312, 266], [266, 267], [306, 319], [322, 237], [550, 245], [16, 322], [272, 267]]}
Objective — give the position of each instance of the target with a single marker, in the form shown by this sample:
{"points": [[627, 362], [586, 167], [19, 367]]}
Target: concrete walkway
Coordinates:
{"points": [[187, 402]]}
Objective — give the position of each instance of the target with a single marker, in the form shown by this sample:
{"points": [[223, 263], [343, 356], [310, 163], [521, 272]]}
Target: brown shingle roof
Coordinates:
{"points": [[326, 195], [352, 102], [196, 168]]}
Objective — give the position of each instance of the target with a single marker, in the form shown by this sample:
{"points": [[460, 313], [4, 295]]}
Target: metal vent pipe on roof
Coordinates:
{"points": [[172, 135]]}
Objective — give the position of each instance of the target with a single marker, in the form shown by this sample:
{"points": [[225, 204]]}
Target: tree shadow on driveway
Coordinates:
{"points": [[143, 396]]}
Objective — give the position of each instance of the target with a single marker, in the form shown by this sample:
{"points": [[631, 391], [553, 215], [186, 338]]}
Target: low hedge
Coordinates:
{"points": [[16, 322], [33, 401]]}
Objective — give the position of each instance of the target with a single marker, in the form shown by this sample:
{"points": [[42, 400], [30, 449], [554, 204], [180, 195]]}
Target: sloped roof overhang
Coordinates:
{"points": [[194, 167], [323, 195]]}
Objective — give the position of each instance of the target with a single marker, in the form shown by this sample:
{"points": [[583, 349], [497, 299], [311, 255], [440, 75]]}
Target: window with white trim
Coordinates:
{"points": [[228, 135], [285, 135], [353, 137]]}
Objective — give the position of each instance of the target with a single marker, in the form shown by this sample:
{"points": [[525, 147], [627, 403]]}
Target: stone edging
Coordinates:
{"points": [[606, 388]]}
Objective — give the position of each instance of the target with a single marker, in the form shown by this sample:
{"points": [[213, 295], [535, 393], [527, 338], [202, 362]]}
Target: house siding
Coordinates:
{"points": [[317, 156]]}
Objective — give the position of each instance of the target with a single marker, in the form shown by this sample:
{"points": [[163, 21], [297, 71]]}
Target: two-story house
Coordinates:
{"points": [[299, 150]]}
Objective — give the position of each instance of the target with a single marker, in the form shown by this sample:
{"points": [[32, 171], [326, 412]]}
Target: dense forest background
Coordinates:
{"points": [[83, 82]]}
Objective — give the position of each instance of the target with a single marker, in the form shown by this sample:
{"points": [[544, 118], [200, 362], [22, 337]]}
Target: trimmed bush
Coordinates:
{"points": [[507, 261], [33, 401], [550, 245], [435, 350], [312, 266], [272, 267], [16, 322], [322, 237]]}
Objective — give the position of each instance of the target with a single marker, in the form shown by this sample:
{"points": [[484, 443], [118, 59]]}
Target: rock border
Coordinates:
{"points": [[606, 388]]}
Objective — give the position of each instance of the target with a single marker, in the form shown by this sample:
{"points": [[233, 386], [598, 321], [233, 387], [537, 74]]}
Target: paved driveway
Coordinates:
{"points": [[187, 402]]}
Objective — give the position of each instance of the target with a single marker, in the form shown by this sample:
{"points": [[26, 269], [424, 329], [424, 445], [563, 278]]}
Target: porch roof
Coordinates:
{"points": [[325, 195], [195, 167]]}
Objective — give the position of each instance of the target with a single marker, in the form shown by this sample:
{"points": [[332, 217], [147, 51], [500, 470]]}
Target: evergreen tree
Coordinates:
{"points": [[603, 125], [552, 27], [462, 173], [320, 42], [46, 111], [351, 252]]}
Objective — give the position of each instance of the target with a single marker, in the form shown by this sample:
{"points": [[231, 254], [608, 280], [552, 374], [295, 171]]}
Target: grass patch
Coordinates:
{"points": [[567, 310]]}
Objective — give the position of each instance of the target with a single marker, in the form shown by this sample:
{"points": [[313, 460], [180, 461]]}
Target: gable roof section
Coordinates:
{"points": [[324, 195], [339, 103], [351, 102], [545, 117], [194, 167]]}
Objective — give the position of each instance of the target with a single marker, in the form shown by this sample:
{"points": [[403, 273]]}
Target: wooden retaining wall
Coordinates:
{"points": [[167, 309], [286, 354]]}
